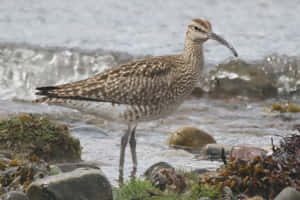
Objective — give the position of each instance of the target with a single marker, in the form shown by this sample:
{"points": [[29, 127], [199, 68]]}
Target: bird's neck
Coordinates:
{"points": [[193, 56]]}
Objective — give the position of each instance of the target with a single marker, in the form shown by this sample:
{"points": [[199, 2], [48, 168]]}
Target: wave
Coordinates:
{"points": [[24, 67]]}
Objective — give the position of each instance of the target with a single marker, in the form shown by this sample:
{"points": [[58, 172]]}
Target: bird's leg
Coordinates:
{"points": [[132, 143], [124, 141]]}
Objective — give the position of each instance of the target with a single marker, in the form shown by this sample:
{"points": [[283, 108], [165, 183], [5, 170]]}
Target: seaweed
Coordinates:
{"points": [[27, 135], [265, 176], [17, 175]]}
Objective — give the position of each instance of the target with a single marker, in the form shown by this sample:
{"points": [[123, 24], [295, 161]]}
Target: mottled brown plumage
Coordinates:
{"points": [[141, 90]]}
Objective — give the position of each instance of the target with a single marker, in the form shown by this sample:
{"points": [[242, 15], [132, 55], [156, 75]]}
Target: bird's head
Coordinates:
{"points": [[199, 31]]}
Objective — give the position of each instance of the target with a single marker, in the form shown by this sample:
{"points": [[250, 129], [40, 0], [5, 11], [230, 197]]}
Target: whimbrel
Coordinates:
{"points": [[139, 91]]}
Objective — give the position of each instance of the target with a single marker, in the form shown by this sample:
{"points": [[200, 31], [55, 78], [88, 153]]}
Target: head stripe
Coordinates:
{"points": [[203, 23]]}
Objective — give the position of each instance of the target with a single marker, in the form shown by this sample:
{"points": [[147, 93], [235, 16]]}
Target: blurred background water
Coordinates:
{"points": [[53, 42]]}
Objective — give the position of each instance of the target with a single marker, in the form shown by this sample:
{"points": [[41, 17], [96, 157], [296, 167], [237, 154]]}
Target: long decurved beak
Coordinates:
{"points": [[214, 36]]}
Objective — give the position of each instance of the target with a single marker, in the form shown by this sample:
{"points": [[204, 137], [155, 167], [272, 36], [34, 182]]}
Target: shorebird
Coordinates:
{"points": [[139, 91]]}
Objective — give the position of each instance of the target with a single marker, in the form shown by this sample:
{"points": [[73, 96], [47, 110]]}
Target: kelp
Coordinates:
{"points": [[265, 176], [16, 175]]}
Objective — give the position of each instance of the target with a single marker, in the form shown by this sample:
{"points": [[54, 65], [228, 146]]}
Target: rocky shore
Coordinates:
{"points": [[39, 159]]}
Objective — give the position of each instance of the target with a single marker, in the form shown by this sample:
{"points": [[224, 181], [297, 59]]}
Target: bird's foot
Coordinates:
{"points": [[133, 173]]}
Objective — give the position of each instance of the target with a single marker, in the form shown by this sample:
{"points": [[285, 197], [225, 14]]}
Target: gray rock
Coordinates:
{"points": [[240, 78], [288, 193], [214, 151], [67, 167], [80, 184], [14, 196]]}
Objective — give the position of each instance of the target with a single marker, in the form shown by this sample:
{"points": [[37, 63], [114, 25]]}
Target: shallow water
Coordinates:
{"points": [[230, 122], [58, 41]]}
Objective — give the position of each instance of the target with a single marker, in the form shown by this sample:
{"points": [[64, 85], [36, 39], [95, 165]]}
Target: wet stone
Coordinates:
{"points": [[82, 183], [190, 138], [240, 78]]}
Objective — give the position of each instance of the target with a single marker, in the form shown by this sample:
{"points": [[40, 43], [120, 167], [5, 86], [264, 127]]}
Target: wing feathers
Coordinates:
{"points": [[131, 83]]}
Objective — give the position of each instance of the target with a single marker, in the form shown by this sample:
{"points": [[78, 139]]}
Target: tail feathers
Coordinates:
{"points": [[47, 88], [44, 91], [52, 96]]}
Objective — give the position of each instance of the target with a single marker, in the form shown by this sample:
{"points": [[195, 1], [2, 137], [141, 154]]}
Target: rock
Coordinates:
{"points": [[240, 78], [67, 167], [156, 167], [82, 183], [14, 195], [26, 135], [190, 138], [214, 151], [288, 193], [246, 153]]}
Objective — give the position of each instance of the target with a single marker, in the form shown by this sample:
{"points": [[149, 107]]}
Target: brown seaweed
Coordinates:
{"points": [[266, 175]]}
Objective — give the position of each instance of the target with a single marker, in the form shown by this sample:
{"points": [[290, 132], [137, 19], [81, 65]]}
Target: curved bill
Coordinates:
{"points": [[218, 38]]}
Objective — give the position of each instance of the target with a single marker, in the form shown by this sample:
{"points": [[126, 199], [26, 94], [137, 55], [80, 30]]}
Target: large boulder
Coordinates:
{"points": [[27, 135], [240, 78], [190, 138], [82, 183]]}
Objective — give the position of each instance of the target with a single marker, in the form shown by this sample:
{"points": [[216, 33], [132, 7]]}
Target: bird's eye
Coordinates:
{"points": [[196, 28]]}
